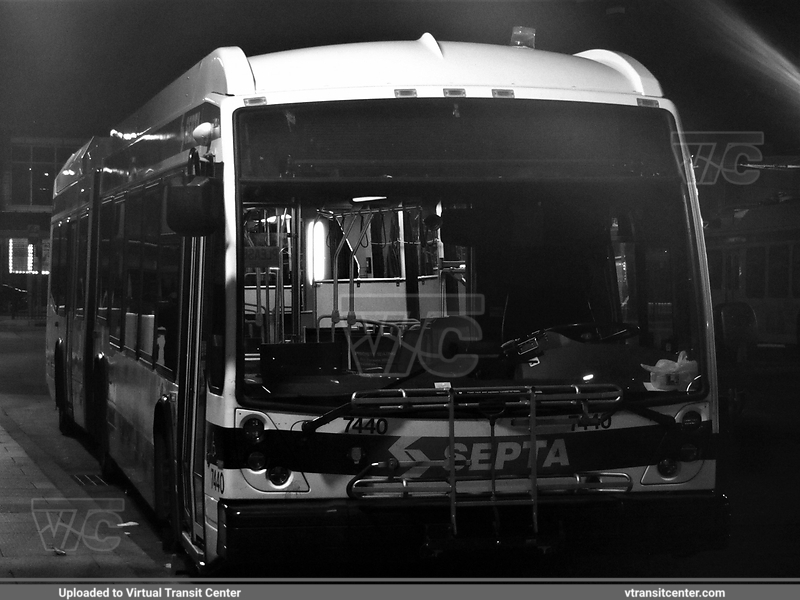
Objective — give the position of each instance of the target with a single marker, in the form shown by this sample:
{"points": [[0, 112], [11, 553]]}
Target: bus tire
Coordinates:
{"points": [[167, 510]]}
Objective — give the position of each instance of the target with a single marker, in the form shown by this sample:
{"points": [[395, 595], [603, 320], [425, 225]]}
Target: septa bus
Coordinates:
{"points": [[414, 294]]}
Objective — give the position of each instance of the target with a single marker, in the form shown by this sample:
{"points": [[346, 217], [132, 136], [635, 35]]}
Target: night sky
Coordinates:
{"points": [[76, 68]]}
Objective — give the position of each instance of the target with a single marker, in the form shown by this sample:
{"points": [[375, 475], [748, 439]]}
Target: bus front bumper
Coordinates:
{"points": [[671, 523]]}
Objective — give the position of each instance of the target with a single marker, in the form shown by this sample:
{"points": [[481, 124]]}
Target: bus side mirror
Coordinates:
{"points": [[195, 208], [736, 330]]}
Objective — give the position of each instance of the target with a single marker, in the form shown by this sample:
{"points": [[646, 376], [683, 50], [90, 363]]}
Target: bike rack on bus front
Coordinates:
{"points": [[566, 404]]}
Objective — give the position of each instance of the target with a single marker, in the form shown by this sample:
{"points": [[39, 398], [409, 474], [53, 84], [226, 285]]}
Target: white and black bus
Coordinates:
{"points": [[411, 292]]}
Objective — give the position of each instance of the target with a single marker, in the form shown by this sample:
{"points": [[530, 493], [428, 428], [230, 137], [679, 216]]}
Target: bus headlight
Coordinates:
{"points": [[278, 476], [253, 430], [668, 467]]}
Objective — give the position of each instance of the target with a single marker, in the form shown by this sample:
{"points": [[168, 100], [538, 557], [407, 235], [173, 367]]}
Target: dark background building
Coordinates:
{"points": [[73, 69]]}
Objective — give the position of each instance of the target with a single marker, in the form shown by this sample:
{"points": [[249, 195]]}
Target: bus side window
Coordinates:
{"points": [[755, 271], [151, 226], [104, 260], [80, 280], [116, 273], [68, 246], [167, 321], [58, 269], [133, 270]]}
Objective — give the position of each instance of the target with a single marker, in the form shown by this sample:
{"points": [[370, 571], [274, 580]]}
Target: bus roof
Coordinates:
{"points": [[227, 71], [428, 62], [341, 71]]}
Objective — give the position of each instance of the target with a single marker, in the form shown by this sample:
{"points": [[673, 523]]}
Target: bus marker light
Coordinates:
{"points": [[410, 93], [647, 102], [455, 93], [253, 430], [256, 461], [523, 37], [502, 93], [257, 101], [278, 476]]}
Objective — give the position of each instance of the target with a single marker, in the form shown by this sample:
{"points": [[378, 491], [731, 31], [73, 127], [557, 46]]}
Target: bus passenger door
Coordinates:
{"points": [[191, 401], [63, 372], [75, 321]]}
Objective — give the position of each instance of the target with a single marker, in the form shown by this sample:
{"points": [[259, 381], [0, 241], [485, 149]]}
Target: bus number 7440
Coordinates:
{"points": [[359, 425]]}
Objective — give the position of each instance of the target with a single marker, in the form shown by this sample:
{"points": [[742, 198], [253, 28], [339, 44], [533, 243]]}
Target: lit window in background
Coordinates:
{"points": [[21, 257]]}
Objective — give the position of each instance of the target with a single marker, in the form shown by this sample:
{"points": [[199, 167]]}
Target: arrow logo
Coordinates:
{"points": [[401, 451]]}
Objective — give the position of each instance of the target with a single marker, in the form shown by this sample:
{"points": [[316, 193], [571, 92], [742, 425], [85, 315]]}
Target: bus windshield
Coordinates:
{"points": [[411, 244]]}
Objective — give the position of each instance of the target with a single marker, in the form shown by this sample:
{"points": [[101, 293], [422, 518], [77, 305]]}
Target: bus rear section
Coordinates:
{"points": [[468, 321]]}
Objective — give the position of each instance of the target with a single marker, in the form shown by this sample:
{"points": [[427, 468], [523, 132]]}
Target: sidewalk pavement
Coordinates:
{"points": [[52, 526], [20, 322]]}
